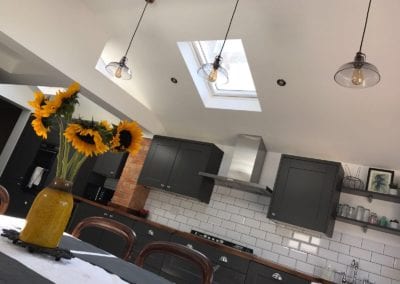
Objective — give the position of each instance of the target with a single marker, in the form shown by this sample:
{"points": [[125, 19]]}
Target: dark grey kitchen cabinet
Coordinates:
{"points": [[173, 164], [228, 268], [261, 274], [110, 164], [103, 239], [145, 234], [306, 193]]}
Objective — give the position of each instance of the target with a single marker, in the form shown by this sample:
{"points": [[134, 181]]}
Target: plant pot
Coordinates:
{"points": [[49, 215]]}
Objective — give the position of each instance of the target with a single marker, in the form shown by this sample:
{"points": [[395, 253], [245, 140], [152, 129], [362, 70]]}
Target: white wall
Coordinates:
{"points": [[240, 217]]}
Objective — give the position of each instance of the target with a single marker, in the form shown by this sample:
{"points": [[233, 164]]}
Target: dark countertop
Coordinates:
{"points": [[125, 212]]}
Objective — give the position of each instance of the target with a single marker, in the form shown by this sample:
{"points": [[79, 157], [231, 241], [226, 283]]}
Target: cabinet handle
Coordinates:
{"points": [[111, 215], [277, 276], [105, 214], [223, 259], [18, 183], [150, 232], [273, 214], [216, 267], [26, 202], [190, 246], [111, 172], [168, 186], [162, 185]]}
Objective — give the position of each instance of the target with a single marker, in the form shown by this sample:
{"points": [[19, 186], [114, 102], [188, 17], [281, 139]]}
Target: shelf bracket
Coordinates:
{"points": [[364, 228], [370, 198]]}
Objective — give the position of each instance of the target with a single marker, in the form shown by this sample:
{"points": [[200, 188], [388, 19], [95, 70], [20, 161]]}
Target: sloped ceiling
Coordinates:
{"points": [[302, 41]]}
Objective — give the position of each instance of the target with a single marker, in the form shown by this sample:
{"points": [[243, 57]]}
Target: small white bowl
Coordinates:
{"points": [[394, 225]]}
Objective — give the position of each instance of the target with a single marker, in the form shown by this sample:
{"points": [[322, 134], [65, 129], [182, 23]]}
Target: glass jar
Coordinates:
{"points": [[351, 213], [366, 215], [359, 213], [345, 210], [373, 218]]}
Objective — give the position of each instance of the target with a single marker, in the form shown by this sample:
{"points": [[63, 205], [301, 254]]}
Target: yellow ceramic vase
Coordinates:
{"points": [[49, 215]]}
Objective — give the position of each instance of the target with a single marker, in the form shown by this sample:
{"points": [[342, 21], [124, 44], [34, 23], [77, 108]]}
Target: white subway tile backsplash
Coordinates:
{"points": [[370, 266], [360, 253], [338, 247], [316, 260], [281, 250], [246, 212], [308, 248], [273, 238], [252, 223], [392, 251], [305, 267], [299, 255], [331, 255], [390, 273], [270, 255], [286, 261], [301, 237], [224, 215], [379, 279], [259, 234], [264, 244], [373, 246], [242, 218], [243, 229], [383, 259], [351, 240]]}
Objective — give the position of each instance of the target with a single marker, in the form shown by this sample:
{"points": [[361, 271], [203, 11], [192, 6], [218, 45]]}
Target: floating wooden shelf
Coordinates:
{"points": [[372, 195], [366, 225]]}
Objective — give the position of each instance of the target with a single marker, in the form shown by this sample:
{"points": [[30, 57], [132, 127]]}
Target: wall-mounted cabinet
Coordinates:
{"points": [[110, 164], [306, 193], [174, 164]]}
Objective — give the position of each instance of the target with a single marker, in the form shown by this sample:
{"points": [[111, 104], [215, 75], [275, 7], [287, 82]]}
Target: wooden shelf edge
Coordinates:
{"points": [[373, 195], [368, 225]]}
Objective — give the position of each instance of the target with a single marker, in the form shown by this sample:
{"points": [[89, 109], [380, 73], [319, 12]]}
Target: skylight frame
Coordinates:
{"points": [[201, 57]]}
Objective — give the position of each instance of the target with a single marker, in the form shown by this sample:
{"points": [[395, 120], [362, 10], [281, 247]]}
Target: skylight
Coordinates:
{"points": [[234, 60], [240, 92]]}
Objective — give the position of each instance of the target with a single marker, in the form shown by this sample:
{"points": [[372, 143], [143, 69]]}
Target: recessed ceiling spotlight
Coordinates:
{"points": [[281, 82], [174, 80]]}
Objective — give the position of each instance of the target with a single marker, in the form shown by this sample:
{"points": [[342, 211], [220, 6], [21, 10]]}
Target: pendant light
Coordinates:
{"points": [[119, 69], [359, 73], [214, 71]]}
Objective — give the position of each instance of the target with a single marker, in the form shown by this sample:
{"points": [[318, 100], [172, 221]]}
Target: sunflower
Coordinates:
{"points": [[85, 140], [38, 102], [128, 137], [40, 126], [106, 125], [62, 101]]}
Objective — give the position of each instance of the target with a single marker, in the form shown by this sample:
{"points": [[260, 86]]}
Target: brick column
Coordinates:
{"points": [[128, 194]]}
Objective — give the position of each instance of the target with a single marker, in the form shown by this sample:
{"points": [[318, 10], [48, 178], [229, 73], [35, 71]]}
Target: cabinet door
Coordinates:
{"points": [[20, 203], [190, 160], [260, 274], [100, 238], [110, 164], [159, 162], [303, 193]]}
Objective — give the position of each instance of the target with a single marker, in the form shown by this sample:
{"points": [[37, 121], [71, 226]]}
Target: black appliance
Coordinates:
{"points": [[221, 241], [98, 193]]}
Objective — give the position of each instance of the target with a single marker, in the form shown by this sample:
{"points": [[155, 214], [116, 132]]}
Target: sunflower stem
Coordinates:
{"points": [[60, 155]]}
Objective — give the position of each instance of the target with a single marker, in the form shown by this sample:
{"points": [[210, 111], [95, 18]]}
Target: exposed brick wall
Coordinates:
{"points": [[128, 194]]}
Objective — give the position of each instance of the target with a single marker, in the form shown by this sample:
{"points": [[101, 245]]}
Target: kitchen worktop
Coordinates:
{"points": [[251, 257]]}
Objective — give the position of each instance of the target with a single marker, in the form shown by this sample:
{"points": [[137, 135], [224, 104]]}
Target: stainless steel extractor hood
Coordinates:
{"points": [[246, 166]]}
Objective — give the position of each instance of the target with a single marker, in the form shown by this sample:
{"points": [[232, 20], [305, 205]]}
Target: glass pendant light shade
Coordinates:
{"points": [[119, 69], [358, 74], [214, 71]]}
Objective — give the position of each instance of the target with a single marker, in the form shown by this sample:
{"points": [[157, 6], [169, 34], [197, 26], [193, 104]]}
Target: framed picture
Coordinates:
{"points": [[378, 180]]}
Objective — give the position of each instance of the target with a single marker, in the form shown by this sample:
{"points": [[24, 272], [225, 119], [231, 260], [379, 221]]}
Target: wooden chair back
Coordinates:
{"points": [[4, 199], [180, 251], [109, 225]]}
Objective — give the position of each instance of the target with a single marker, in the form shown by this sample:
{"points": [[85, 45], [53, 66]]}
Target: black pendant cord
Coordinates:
{"points": [[229, 27], [365, 26], [137, 26]]}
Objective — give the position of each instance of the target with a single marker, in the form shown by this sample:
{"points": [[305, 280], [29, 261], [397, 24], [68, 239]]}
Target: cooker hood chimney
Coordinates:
{"points": [[246, 166]]}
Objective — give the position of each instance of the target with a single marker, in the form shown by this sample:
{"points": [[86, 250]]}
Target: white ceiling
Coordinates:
{"points": [[301, 41]]}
